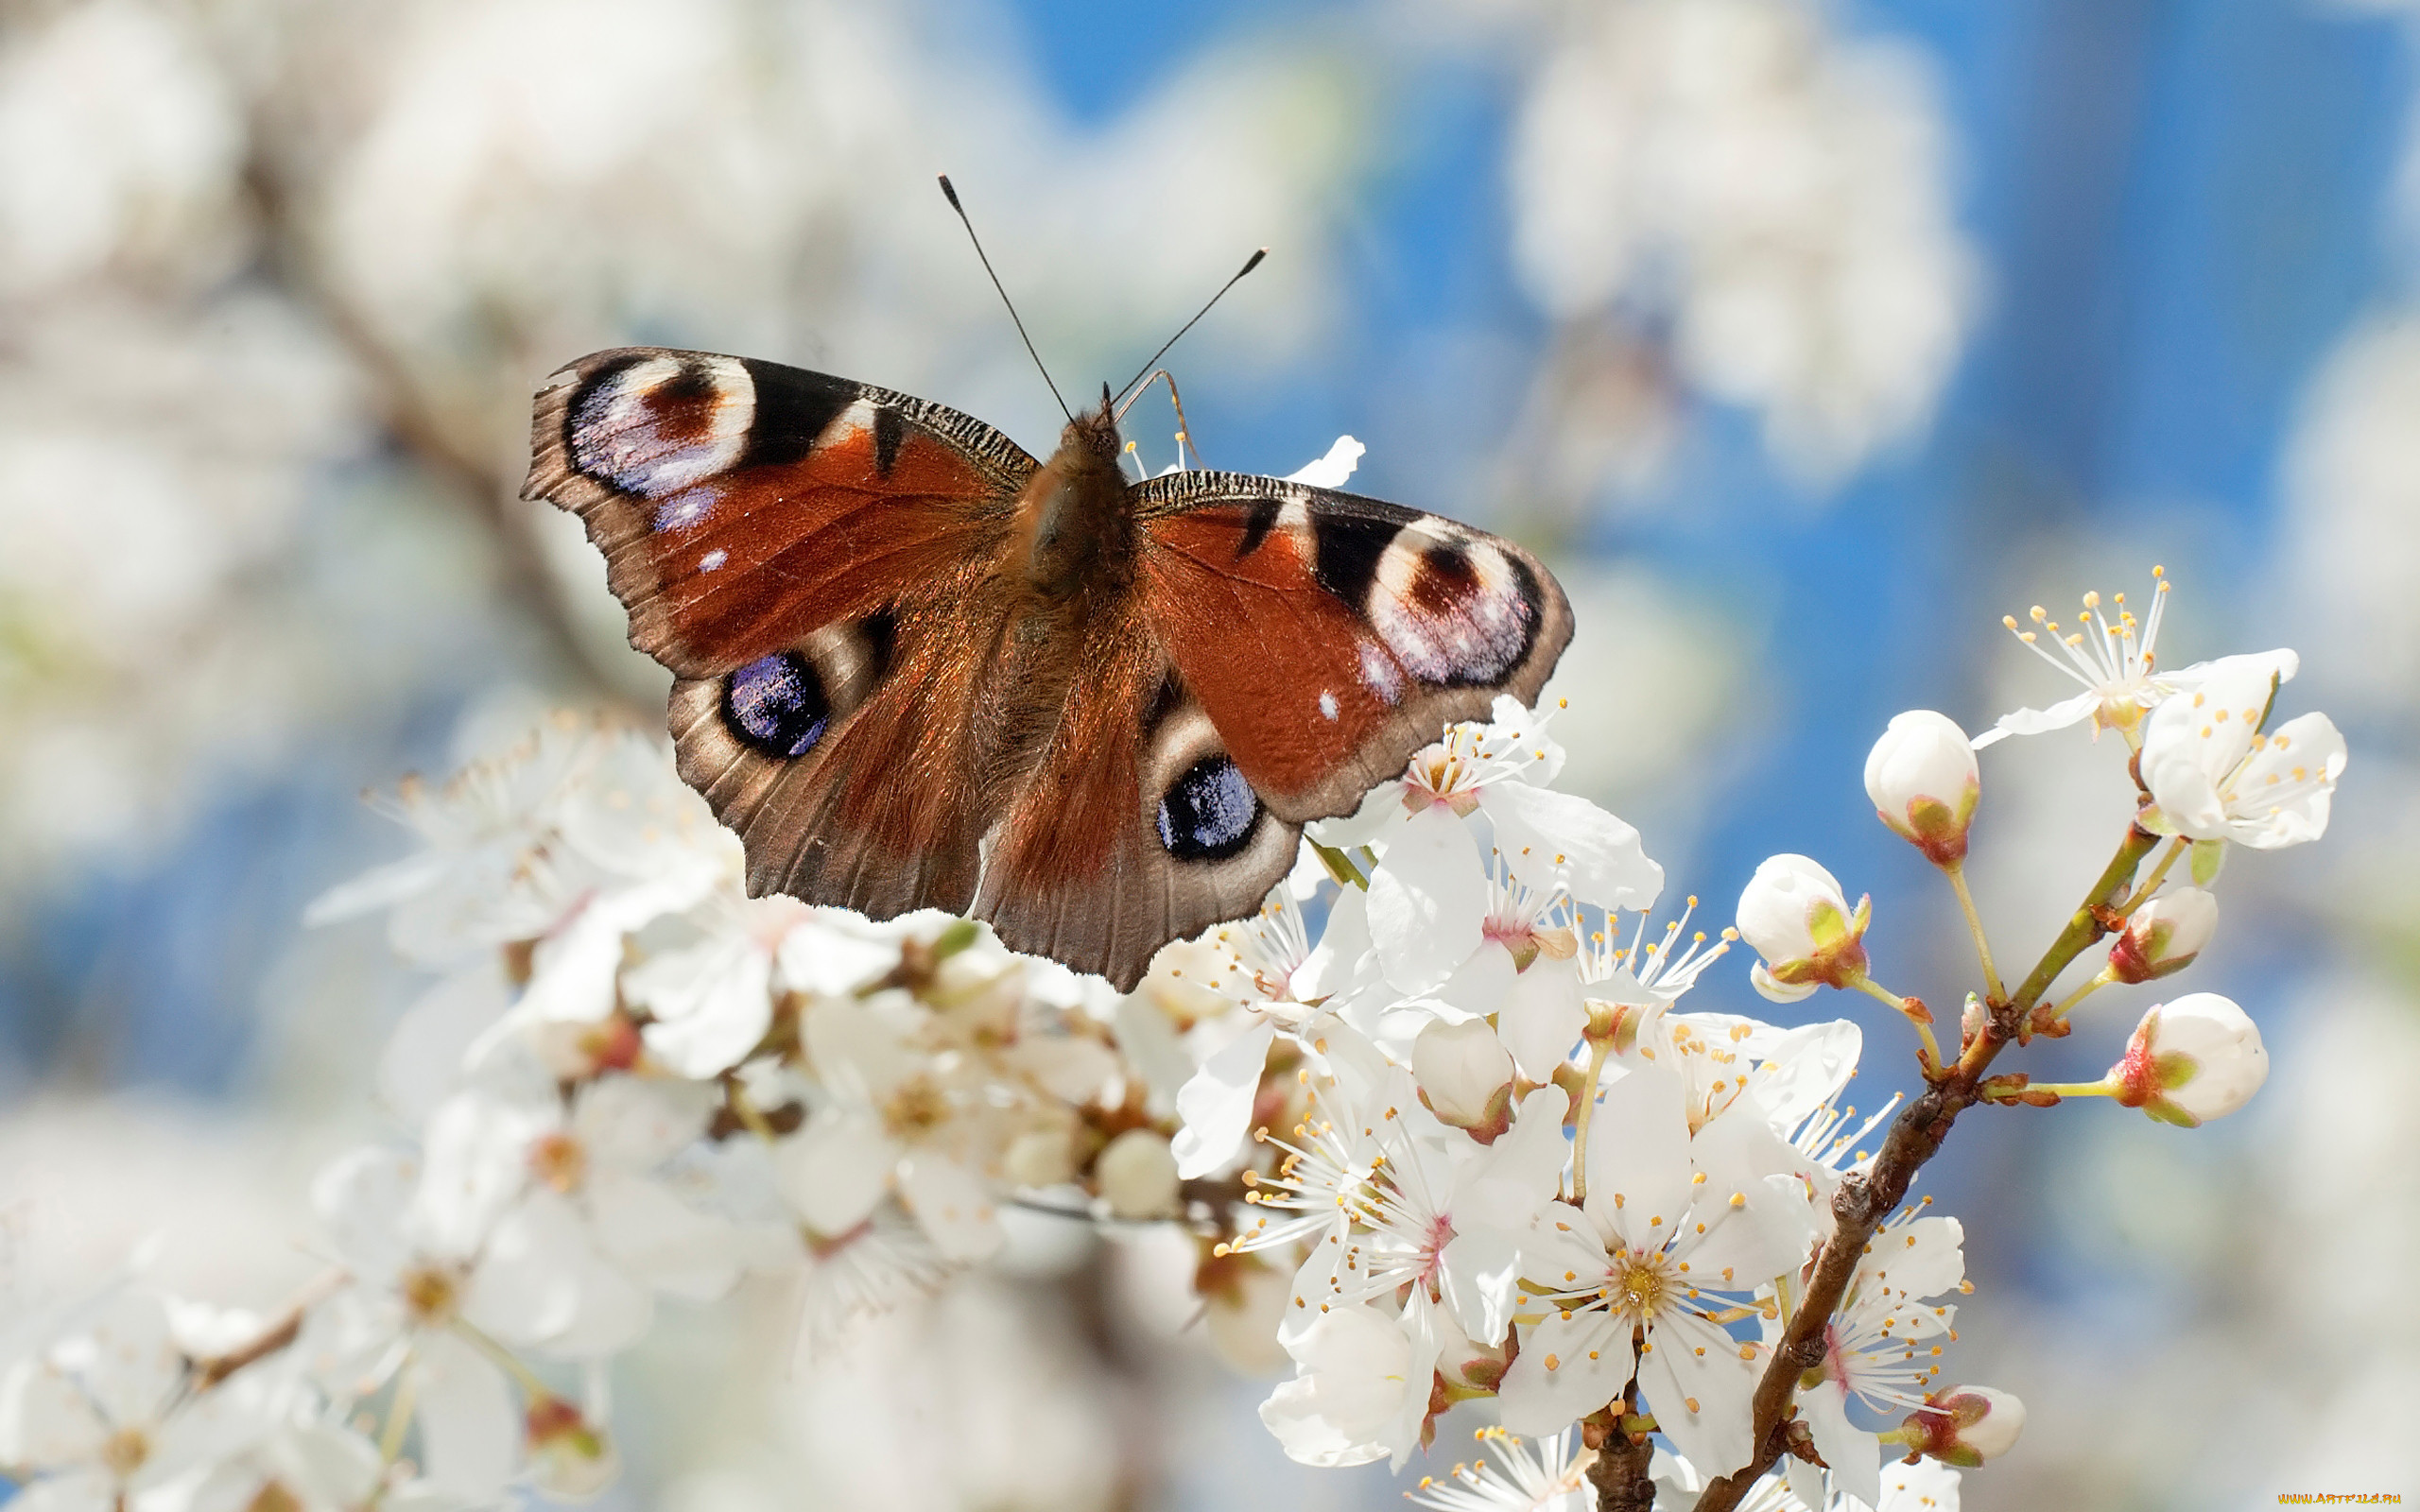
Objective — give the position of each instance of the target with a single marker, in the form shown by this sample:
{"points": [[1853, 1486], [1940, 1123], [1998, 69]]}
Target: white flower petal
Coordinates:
{"points": [[1333, 470], [1854, 1455], [1638, 1157], [1543, 1016], [1923, 1258], [426, 1051], [834, 1170], [1591, 1365], [1374, 823], [952, 1206], [1804, 1068], [47, 1420], [636, 1123], [526, 1289], [1480, 1271], [470, 1434], [712, 1002], [661, 1239], [1548, 837], [361, 1197], [1215, 1103], [2041, 721], [1928, 1485], [1343, 951], [1699, 1388], [1477, 987], [1428, 900], [2299, 763]]}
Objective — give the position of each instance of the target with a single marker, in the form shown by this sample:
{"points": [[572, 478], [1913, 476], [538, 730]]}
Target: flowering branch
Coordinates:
{"points": [[1863, 1202]]}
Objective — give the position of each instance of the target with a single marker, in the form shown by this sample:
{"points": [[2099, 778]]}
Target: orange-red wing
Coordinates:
{"points": [[1329, 637], [742, 505]]}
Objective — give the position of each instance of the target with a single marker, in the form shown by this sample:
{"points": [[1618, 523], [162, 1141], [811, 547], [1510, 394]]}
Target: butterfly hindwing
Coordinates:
{"points": [[1132, 825], [1329, 637]]}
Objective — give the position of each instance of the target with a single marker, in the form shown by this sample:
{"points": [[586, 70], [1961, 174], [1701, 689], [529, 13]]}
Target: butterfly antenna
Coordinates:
{"points": [[1250, 263], [951, 195]]}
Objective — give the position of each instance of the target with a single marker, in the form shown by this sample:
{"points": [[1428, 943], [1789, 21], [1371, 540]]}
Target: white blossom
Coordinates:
{"points": [[1428, 896], [1794, 914], [1359, 1390], [892, 1120], [1671, 1232], [2213, 774], [2191, 1060], [1966, 1425], [1137, 1176], [99, 1417], [1923, 780], [2114, 655], [1513, 1475], [1465, 1076], [2164, 935], [1877, 1348]]}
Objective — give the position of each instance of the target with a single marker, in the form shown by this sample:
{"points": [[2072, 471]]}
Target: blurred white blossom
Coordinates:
{"points": [[1775, 195]]}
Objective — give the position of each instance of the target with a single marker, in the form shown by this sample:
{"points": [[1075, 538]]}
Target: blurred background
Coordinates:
{"points": [[1805, 339]]}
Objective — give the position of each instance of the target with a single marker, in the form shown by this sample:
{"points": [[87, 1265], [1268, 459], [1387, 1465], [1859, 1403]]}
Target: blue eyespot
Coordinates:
{"points": [[1209, 811], [777, 704]]}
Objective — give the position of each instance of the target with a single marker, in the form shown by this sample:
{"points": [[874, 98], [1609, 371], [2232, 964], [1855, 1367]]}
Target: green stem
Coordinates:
{"points": [[398, 1414], [2102, 1087], [2083, 926], [2098, 980], [1339, 866], [1596, 1051], [504, 1360], [1924, 1030], [1993, 991], [2142, 895]]}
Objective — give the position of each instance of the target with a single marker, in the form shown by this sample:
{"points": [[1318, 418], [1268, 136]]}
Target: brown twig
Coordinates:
{"points": [[471, 480], [1619, 1470], [1863, 1202], [209, 1371]]}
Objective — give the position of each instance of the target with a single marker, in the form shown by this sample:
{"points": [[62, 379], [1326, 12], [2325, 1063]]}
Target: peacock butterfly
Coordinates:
{"points": [[916, 668]]}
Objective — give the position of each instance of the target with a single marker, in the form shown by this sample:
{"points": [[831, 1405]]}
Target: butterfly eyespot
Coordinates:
{"points": [[659, 425], [1209, 811], [778, 704]]}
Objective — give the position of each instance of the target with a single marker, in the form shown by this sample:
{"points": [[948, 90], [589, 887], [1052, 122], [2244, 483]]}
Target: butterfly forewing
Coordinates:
{"points": [[812, 558], [741, 504]]}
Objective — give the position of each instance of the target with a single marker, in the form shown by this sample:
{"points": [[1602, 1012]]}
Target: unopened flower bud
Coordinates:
{"points": [[1794, 914], [571, 1460], [1137, 1176], [2196, 1059], [2164, 935], [1964, 1425], [1465, 1076], [1040, 1157], [1924, 782]]}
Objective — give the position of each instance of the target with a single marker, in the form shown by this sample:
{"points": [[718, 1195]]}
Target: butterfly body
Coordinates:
{"points": [[1074, 532], [915, 667]]}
